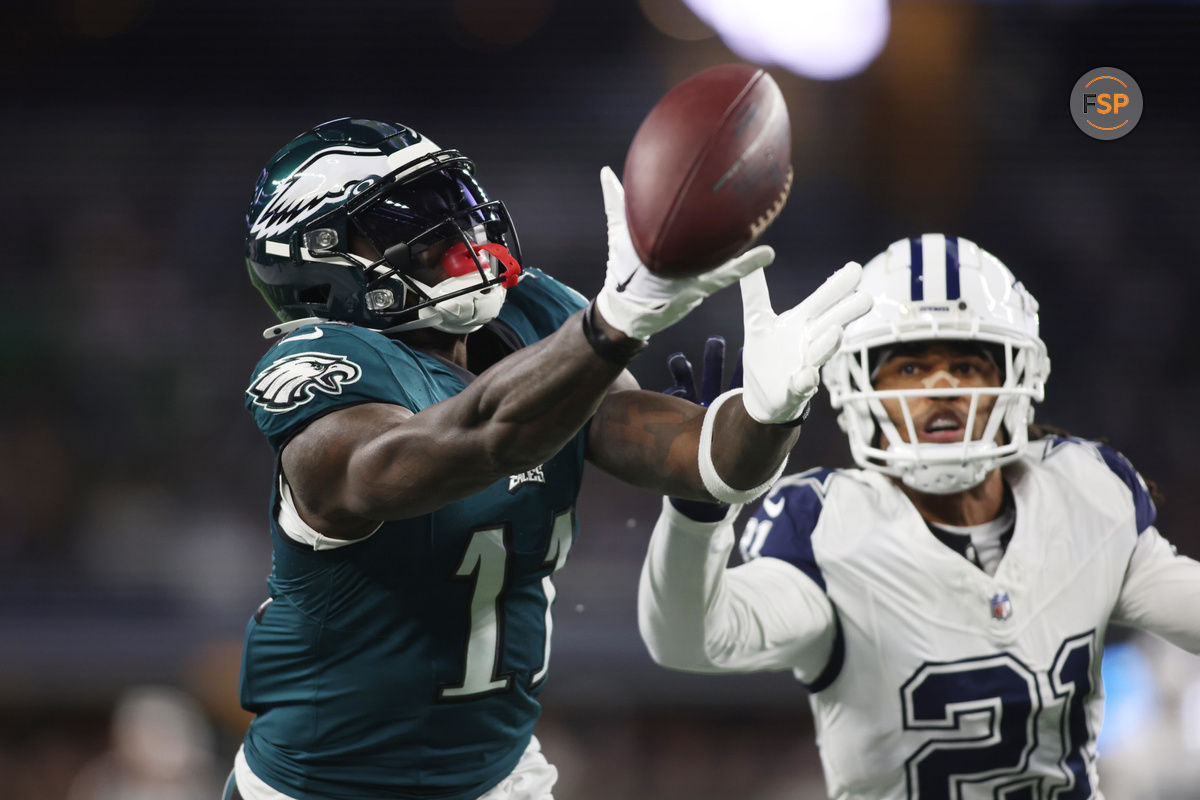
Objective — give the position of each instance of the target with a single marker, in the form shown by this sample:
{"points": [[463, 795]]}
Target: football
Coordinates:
{"points": [[708, 170]]}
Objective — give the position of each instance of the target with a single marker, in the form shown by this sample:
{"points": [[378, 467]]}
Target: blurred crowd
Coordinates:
{"points": [[133, 487]]}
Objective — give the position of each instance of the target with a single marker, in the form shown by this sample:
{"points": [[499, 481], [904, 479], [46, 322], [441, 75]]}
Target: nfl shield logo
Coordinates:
{"points": [[1001, 607]]}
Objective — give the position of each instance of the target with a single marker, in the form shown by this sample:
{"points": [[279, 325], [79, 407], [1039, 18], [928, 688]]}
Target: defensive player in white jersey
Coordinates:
{"points": [[946, 604]]}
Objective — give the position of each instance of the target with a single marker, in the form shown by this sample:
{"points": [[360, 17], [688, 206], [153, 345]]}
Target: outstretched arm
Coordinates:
{"points": [[652, 440], [366, 463], [732, 451], [1161, 592], [363, 464], [696, 615]]}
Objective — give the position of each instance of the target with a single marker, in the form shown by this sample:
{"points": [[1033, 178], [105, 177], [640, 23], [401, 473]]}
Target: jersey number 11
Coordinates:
{"points": [[486, 562]]}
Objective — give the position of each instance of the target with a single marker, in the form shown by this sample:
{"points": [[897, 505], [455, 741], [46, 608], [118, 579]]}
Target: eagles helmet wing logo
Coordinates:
{"points": [[291, 382], [326, 177], [331, 176]]}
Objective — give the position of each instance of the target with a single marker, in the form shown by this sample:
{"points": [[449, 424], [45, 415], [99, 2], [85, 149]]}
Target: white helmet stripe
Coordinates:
{"points": [[416, 151], [933, 267]]}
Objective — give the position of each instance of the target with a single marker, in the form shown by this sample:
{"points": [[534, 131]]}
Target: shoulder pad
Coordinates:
{"points": [[320, 368], [1144, 509], [783, 525], [313, 360], [1143, 504]]}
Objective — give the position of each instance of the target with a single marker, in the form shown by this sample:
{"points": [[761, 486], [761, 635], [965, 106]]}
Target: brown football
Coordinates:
{"points": [[708, 170]]}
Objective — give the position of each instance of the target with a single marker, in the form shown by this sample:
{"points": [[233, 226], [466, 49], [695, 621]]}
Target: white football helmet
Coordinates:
{"points": [[936, 287]]}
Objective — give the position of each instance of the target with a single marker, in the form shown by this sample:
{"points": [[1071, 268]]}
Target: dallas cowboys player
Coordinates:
{"points": [[427, 405], [946, 604]]}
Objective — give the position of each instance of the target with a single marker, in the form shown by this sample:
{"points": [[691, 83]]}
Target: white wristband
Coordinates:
{"points": [[708, 471]]}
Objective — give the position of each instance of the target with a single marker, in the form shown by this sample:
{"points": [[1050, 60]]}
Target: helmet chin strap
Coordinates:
{"points": [[463, 314]]}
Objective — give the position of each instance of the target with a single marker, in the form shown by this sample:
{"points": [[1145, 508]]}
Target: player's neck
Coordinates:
{"points": [[450, 346], [975, 506]]}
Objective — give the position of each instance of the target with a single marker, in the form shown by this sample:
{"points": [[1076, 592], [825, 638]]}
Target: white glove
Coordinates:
{"points": [[783, 354], [639, 303]]}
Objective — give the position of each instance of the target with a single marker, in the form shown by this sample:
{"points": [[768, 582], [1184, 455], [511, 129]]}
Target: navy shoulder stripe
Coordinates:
{"points": [[1143, 504], [1144, 510], [782, 527]]}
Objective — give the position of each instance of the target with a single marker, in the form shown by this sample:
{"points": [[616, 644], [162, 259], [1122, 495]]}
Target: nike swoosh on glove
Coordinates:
{"points": [[639, 303], [784, 353]]}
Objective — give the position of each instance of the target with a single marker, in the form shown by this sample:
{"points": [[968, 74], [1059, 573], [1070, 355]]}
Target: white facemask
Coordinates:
{"points": [[459, 315], [933, 477]]}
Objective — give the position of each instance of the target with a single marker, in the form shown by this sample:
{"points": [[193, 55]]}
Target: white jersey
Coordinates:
{"points": [[929, 678]]}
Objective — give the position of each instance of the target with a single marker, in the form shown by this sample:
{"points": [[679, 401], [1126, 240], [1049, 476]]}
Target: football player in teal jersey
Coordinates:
{"points": [[430, 402]]}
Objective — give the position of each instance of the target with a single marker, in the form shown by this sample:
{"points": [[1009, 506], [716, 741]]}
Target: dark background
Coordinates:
{"points": [[134, 487]]}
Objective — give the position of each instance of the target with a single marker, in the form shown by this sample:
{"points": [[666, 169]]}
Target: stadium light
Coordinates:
{"points": [[814, 38]]}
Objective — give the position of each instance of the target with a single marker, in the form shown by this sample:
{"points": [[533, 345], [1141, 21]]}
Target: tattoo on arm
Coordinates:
{"points": [[648, 439]]}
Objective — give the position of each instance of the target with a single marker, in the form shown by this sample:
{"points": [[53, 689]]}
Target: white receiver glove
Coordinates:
{"points": [[783, 354], [639, 303]]}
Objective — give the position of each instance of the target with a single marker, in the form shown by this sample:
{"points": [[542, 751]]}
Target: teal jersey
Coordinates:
{"points": [[407, 664]]}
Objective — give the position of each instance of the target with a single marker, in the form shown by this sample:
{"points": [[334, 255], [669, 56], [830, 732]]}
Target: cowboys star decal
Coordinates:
{"points": [[290, 382]]}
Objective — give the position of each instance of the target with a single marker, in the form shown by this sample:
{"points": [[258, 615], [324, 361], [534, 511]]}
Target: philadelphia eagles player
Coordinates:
{"points": [[431, 401], [946, 605]]}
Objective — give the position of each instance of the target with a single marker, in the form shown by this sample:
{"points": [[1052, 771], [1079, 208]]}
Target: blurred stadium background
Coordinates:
{"points": [[133, 485]]}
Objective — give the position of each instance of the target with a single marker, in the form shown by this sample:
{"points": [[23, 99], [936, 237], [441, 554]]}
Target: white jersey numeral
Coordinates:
{"points": [[556, 556], [486, 562], [485, 559], [754, 537]]}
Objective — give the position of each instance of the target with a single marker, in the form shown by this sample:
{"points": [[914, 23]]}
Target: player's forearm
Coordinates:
{"points": [[513, 417], [746, 452], [654, 441], [679, 580], [530, 404]]}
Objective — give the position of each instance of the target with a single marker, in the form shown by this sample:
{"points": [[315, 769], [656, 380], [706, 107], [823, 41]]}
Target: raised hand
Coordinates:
{"points": [[714, 369], [639, 303], [685, 387], [784, 353]]}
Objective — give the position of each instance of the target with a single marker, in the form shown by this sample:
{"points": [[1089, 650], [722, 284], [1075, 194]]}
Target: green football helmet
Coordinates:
{"points": [[388, 186]]}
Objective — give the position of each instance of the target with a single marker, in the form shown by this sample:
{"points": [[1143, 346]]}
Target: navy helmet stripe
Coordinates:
{"points": [[952, 290], [917, 270]]}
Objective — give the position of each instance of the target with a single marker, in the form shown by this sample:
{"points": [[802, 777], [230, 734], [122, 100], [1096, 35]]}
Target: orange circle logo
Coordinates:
{"points": [[1106, 103]]}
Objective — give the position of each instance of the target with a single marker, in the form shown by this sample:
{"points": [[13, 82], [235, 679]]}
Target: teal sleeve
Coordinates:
{"points": [[538, 305], [322, 368]]}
